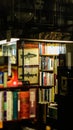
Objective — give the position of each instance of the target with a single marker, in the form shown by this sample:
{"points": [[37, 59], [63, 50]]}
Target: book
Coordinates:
{"points": [[15, 105], [8, 80], [5, 105], [24, 104], [32, 101], [5, 77], [9, 103], [1, 79], [1, 105], [18, 104]]}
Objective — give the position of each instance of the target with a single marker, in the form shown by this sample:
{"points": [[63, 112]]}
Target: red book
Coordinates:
{"points": [[24, 104], [43, 48]]}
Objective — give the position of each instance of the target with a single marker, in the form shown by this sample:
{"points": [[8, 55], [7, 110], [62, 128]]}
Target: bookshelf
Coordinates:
{"points": [[37, 62], [41, 58], [17, 101], [48, 63]]}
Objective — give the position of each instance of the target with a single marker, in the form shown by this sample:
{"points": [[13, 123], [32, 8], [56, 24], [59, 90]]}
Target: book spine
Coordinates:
{"points": [[1, 105], [18, 105], [24, 104], [9, 105], [5, 79], [1, 79], [5, 105], [15, 105]]}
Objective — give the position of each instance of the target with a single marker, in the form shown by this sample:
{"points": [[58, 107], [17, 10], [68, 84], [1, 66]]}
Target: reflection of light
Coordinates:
{"points": [[2, 42], [12, 41], [14, 83]]}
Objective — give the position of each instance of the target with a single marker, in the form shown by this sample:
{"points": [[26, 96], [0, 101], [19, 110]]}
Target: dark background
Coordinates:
{"points": [[24, 17]]}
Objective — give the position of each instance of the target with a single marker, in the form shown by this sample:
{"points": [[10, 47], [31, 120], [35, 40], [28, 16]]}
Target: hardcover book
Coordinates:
{"points": [[5, 106], [24, 104], [9, 110], [15, 105]]}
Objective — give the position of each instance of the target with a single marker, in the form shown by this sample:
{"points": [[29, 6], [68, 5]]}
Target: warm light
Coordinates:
{"points": [[12, 41], [2, 42]]}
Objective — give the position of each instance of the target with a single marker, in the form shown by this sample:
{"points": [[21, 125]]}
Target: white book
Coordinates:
{"points": [[40, 79], [9, 105]]}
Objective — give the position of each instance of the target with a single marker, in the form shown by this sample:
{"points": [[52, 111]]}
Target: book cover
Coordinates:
{"points": [[32, 101], [24, 104]]}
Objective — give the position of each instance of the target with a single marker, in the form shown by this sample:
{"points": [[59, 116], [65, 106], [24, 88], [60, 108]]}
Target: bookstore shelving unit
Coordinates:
{"points": [[14, 107], [48, 60], [36, 69]]}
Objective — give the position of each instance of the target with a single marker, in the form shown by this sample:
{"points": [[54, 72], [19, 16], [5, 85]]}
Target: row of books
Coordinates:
{"points": [[46, 63], [52, 48], [47, 79], [46, 95], [16, 105]]}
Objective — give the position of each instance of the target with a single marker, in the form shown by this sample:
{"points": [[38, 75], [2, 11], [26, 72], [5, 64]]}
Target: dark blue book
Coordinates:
{"points": [[1, 77]]}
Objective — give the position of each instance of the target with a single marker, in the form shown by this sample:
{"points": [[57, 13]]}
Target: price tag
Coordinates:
{"points": [[1, 124]]}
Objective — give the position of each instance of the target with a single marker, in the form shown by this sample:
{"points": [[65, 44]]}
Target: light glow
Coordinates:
{"points": [[12, 41]]}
